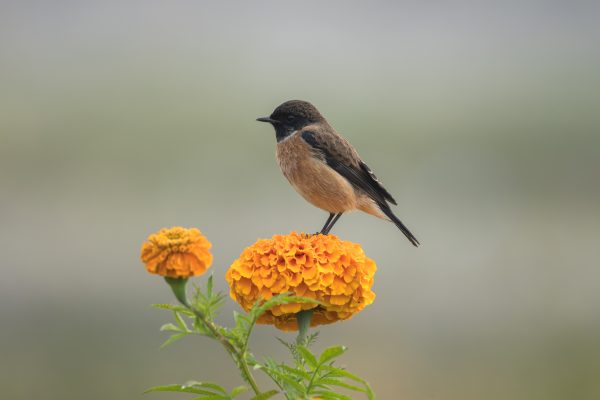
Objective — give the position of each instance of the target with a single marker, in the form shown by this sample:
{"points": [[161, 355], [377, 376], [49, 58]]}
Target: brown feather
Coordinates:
{"points": [[323, 166], [312, 178]]}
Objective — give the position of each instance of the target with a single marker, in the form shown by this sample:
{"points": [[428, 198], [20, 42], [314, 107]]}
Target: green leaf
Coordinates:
{"points": [[331, 395], [215, 303], [240, 334], [260, 308], [338, 372], [173, 339], [310, 359], [331, 353], [200, 328], [290, 346], [207, 303], [287, 381], [237, 390], [180, 322], [311, 339], [173, 307], [169, 328], [207, 385], [242, 324], [335, 382], [292, 388], [265, 395], [178, 388], [293, 350], [209, 286], [299, 373]]}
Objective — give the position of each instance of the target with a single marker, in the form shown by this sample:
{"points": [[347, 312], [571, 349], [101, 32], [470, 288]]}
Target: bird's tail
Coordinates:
{"points": [[388, 212]]}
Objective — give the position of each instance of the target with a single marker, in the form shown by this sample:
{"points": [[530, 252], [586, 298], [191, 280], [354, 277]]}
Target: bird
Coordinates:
{"points": [[324, 168]]}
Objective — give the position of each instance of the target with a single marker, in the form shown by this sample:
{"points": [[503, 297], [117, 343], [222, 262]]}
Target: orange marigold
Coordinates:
{"points": [[337, 273], [177, 253]]}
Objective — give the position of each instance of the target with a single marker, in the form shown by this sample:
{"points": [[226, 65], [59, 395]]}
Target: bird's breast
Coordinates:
{"points": [[292, 155], [312, 178]]}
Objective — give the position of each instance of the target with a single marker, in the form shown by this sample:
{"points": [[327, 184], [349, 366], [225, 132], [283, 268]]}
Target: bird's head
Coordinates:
{"points": [[291, 116]]}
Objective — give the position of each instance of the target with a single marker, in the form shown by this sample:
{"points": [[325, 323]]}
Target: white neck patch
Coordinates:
{"points": [[288, 136]]}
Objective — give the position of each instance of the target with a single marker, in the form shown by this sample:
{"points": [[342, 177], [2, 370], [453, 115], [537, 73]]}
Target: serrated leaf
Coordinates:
{"points": [[242, 322], [199, 327], [265, 395], [331, 353], [290, 346], [180, 322], [172, 339], [307, 356], [286, 380], [269, 363], [299, 373], [173, 307], [311, 339], [259, 308], [339, 372]]}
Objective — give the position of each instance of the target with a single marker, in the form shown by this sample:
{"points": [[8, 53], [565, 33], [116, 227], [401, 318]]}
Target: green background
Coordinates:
{"points": [[119, 118]]}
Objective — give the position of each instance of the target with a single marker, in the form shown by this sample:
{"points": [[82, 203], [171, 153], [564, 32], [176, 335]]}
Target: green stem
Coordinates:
{"points": [[235, 354], [312, 379], [178, 287], [303, 317]]}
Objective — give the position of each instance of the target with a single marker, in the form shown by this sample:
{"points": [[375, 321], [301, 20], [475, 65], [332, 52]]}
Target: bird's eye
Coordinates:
{"points": [[291, 118]]}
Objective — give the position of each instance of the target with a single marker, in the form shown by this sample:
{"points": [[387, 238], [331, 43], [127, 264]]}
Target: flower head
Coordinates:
{"points": [[177, 253], [336, 273]]}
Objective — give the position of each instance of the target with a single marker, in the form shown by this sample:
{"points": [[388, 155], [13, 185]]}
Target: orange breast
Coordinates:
{"points": [[313, 178]]}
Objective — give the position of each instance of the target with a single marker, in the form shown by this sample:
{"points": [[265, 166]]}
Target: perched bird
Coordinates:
{"points": [[324, 167]]}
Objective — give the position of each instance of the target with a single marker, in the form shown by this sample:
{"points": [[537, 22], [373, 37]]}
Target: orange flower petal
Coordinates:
{"points": [[322, 267], [177, 252]]}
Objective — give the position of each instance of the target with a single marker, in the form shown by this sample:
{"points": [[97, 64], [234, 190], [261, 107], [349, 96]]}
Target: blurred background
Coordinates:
{"points": [[118, 118]]}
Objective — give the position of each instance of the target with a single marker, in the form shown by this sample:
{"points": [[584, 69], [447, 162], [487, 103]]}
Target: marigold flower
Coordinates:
{"points": [[177, 253], [337, 273]]}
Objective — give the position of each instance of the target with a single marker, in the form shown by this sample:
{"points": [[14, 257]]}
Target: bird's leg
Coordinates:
{"points": [[331, 215], [331, 224]]}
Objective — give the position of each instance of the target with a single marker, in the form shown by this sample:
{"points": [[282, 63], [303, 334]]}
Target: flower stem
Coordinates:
{"points": [[235, 354], [303, 317], [178, 288]]}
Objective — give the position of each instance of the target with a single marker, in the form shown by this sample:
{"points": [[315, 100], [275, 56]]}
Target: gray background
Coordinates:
{"points": [[118, 118]]}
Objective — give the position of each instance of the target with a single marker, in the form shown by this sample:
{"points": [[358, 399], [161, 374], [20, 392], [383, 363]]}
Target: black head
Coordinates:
{"points": [[291, 116]]}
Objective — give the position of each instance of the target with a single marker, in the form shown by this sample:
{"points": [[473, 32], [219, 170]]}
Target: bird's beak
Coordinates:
{"points": [[267, 119]]}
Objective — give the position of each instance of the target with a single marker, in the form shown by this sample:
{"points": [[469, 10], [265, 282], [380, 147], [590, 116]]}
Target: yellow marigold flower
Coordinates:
{"points": [[322, 267], [177, 253]]}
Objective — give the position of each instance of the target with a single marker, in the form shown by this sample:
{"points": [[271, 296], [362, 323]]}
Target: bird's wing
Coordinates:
{"points": [[342, 157], [377, 183]]}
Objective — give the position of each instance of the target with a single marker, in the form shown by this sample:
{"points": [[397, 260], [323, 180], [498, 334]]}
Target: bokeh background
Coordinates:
{"points": [[118, 118]]}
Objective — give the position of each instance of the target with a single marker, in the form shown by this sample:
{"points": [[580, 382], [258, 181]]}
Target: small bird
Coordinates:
{"points": [[325, 169]]}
